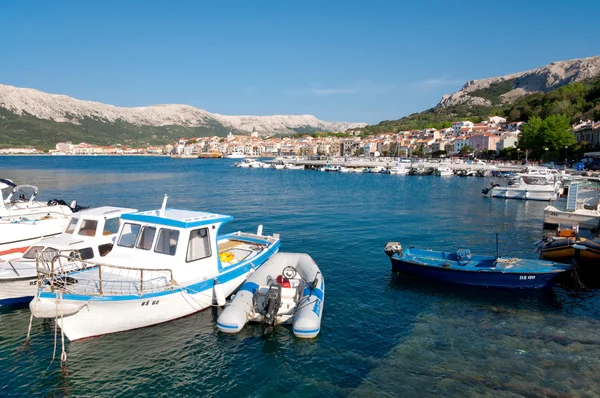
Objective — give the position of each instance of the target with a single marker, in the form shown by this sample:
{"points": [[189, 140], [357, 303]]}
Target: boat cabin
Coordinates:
{"points": [[182, 241], [91, 232]]}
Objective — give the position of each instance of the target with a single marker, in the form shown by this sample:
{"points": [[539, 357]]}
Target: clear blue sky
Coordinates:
{"points": [[338, 60]]}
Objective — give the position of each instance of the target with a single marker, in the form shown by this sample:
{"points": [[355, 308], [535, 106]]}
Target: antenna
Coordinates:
{"points": [[164, 206], [497, 255]]}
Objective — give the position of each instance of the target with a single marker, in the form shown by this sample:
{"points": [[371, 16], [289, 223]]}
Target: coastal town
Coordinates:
{"points": [[494, 134]]}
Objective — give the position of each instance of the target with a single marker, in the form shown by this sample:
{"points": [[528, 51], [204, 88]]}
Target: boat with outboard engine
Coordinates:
{"points": [[287, 289], [89, 236], [25, 220], [166, 264], [462, 268]]}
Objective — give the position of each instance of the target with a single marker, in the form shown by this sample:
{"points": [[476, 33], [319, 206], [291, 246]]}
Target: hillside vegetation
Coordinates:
{"points": [[577, 101]]}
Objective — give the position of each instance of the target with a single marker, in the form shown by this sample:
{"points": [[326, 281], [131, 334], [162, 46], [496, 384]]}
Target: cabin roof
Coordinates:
{"points": [[177, 218], [104, 211]]}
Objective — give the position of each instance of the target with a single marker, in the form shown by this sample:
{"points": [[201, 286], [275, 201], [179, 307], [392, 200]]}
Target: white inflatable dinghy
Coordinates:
{"points": [[287, 289]]}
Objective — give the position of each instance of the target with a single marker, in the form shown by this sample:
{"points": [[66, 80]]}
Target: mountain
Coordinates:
{"points": [[32, 117], [563, 87], [506, 89]]}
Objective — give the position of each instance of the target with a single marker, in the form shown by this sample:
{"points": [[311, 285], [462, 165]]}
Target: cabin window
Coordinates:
{"points": [[86, 253], [167, 241], [129, 235], [199, 245], [104, 249], [49, 254], [111, 226], [88, 228], [72, 225], [146, 238], [32, 252]]}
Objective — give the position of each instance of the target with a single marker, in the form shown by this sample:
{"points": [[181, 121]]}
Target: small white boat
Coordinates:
{"points": [[290, 166], [526, 187], [330, 168], [399, 169], [165, 264], [443, 170], [287, 289], [89, 236], [24, 220], [235, 155], [581, 207], [249, 164]]}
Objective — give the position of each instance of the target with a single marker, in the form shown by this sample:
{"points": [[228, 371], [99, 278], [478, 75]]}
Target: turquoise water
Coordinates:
{"points": [[382, 334]]}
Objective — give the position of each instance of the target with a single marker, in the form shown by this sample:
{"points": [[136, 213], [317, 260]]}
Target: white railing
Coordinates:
{"points": [[66, 272]]}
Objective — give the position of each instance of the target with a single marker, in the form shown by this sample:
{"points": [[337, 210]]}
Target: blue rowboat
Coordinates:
{"points": [[461, 267]]}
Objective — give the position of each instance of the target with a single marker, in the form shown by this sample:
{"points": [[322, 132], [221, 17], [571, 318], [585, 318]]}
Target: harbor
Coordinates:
{"points": [[343, 221]]}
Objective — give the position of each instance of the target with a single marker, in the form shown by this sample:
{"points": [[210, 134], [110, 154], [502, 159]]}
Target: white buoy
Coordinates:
{"points": [[219, 294]]}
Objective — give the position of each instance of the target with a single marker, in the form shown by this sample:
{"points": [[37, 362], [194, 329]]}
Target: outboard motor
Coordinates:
{"points": [[272, 304], [393, 247]]}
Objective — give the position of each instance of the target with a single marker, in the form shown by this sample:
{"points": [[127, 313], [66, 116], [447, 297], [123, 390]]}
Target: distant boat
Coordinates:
{"points": [[462, 268], [235, 155], [444, 169]]}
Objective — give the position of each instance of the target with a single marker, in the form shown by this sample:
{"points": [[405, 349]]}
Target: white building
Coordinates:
{"points": [[457, 126]]}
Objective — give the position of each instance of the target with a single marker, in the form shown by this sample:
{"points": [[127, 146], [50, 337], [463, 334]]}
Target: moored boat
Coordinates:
{"points": [[287, 289], [166, 264], [89, 236], [25, 220], [463, 268], [526, 188]]}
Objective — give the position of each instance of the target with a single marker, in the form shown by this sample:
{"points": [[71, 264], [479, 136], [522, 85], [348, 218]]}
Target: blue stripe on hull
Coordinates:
{"points": [[16, 300], [474, 278]]}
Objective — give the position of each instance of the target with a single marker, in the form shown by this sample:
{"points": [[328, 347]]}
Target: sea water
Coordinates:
{"points": [[382, 334]]}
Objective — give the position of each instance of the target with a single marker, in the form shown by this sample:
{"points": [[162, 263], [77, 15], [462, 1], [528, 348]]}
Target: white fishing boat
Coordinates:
{"points": [[399, 169], [278, 165], [287, 289], [235, 155], [290, 166], [443, 170], [25, 220], [249, 164], [526, 188], [89, 236], [580, 207], [330, 168], [166, 264]]}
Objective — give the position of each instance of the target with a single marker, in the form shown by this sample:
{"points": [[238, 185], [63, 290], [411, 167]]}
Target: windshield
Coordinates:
{"points": [[71, 228]]}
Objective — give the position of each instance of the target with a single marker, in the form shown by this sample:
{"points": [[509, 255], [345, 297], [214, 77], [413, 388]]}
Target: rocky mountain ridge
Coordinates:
{"points": [[507, 88], [65, 109]]}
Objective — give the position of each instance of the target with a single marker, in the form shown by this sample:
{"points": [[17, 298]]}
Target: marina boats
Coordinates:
{"points": [[444, 169], [526, 188], [25, 220], [568, 247], [165, 264], [462, 268], [89, 236], [287, 289], [330, 168], [421, 170], [580, 207], [290, 166]]}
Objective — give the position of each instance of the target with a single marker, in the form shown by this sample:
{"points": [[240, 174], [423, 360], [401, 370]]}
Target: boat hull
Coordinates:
{"points": [[524, 194], [17, 290], [508, 280]]}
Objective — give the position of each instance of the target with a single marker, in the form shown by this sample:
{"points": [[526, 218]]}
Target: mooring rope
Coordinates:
{"points": [[29, 328]]}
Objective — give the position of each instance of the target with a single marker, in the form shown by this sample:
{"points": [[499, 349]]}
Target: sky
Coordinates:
{"points": [[357, 61]]}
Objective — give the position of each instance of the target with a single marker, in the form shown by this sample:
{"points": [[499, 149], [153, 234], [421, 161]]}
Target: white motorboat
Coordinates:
{"points": [[330, 168], [166, 264], [526, 187], [581, 207], [235, 155], [399, 169], [89, 236], [290, 166], [249, 163], [443, 170], [287, 289], [25, 220]]}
